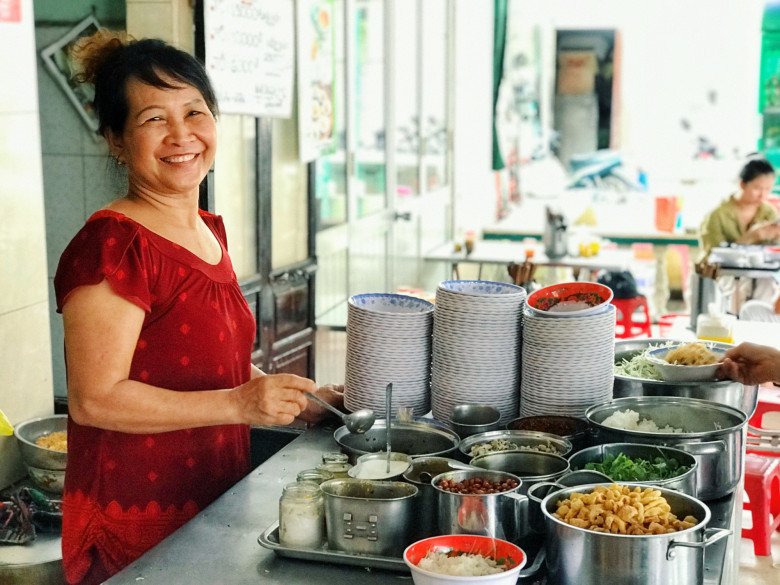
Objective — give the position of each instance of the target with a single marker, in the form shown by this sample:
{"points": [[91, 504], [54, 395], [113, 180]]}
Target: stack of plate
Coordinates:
{"points": [[388, 340], [568, 361], [476, 346]]}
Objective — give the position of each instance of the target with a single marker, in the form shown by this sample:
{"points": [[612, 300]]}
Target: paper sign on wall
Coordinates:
{"points": [[316, 115], [250, 52]]}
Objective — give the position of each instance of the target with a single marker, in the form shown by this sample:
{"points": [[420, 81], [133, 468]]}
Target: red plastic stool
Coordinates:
{"points": [[762, 486], [768, 401], [625, 326]]}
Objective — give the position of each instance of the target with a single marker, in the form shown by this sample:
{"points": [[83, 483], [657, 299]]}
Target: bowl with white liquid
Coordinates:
{"points": [[377, 466]]}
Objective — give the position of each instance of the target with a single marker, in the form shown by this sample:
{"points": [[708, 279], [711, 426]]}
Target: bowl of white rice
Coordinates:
{"points": [[466, 559]]}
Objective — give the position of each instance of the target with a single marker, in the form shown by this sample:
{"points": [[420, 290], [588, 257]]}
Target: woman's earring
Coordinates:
{"points": [[119, 161]]}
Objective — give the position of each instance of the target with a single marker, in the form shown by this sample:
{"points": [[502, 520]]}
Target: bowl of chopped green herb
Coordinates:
{"points": [[641, 464]]}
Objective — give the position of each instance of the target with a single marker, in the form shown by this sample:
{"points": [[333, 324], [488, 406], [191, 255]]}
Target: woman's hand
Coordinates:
{"points": [[332, 394], [272, 399], [763, 232], [751, 363]]}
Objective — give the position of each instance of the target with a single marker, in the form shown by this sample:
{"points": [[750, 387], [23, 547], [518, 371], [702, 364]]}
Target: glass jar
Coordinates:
{"points": [[301, 516], [339, 470], [335, 457], [314, 475]]}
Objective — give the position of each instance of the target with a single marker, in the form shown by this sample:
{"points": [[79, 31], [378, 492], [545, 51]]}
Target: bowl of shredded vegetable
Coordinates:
{"points": [[642, 464], [636, 376], [686, 362]]}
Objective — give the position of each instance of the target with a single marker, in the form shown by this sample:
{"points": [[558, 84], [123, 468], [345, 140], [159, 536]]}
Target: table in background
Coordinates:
{"points": [[505, 252]]}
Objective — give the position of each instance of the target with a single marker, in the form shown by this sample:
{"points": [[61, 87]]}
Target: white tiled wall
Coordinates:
{"points": [[25, 347]]}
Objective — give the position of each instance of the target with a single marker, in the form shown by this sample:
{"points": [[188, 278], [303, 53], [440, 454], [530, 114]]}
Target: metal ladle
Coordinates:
{"points": [[357, 423]]}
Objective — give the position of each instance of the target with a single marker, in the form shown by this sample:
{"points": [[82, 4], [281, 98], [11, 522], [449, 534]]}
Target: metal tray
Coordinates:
{"points": [[270, 540]]}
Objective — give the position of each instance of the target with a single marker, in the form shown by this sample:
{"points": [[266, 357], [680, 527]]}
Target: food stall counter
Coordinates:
{"points": [[220, 545]]}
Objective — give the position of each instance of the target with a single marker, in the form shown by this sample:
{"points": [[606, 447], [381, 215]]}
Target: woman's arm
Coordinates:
{"points": [[101, 333]]}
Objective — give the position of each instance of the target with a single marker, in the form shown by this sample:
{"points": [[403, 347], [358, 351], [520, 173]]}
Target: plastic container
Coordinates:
{"points": [[301, 516], [715, 326]]}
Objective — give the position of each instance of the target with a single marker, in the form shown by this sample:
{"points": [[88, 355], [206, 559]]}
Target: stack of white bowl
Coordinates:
{"points": [[568, 361], [388, 340], [476, 346]]}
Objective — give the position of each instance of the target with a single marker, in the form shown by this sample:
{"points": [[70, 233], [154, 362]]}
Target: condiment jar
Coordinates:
{"points": [[335, 457], [339, 470], [715, 326], [301, 516], [314, 475]]}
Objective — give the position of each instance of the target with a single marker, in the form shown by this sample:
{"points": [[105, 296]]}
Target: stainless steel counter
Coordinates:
{"points": [[220, 544]]}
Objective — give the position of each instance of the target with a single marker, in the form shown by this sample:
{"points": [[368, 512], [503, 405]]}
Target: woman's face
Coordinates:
{"points": [[169, 140], [756, 190]]}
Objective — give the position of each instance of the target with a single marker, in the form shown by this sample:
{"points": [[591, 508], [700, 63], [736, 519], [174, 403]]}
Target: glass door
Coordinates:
{"points": [[369, 216], [420, 144], [353, 229]]}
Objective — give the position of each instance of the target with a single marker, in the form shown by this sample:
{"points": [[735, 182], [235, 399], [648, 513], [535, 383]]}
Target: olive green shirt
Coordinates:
{"points": [[722, 225]]}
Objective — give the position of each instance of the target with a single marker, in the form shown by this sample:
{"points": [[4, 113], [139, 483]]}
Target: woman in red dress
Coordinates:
{"points": [[158, 337]]}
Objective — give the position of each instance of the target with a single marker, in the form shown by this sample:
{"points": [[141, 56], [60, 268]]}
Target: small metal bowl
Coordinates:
{"points": [[39, 457], [46, 467], [470, 419], [531, 466]]}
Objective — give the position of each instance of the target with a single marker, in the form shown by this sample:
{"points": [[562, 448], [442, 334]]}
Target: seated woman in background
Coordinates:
{"points": [[746, 217]]}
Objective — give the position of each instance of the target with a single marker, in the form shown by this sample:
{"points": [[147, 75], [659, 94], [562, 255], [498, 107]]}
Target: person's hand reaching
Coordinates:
{"points": [[750, 363], [272, 399], [330, 393]]}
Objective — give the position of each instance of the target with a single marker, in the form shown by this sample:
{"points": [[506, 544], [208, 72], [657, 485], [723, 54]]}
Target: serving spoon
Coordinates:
{"points": [[357, 423]]}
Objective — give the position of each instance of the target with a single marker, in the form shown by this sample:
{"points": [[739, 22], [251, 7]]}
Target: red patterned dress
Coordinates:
{"points": [[125, 492]]}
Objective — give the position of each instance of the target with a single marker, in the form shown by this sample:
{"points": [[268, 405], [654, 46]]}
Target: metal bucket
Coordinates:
{"points": [[577, 556], [500, 515], [369, 517]]}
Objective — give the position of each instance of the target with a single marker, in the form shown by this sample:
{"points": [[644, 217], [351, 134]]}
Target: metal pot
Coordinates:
{"points": [[713, 435], [537, 492], [503, 515], [413, 438], [525, 440], [727, 392], [685, 482], [573, 429], [420, 474], [531, 466], [576, 556], [369, 517]]}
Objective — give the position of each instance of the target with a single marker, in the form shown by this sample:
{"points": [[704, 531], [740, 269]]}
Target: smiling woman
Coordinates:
{"points": [[158, 336]]}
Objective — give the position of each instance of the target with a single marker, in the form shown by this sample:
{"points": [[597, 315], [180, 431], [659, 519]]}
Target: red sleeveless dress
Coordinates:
{"points": [[125, 492]]}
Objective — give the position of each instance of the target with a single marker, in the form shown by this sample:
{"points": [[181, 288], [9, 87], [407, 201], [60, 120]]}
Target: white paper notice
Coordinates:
{"points": [[250, 55]]}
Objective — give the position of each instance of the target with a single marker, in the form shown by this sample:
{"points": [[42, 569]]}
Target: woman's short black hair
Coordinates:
{"points": [[754, 168], [147, 60]]}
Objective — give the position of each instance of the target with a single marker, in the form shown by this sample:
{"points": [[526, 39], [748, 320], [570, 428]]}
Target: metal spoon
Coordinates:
{"points": [[357, 423]]}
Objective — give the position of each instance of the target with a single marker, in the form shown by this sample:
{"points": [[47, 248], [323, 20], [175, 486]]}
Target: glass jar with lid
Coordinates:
{"points": [[335, 457], [315, 475], [339, 470], [301, 515]]}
